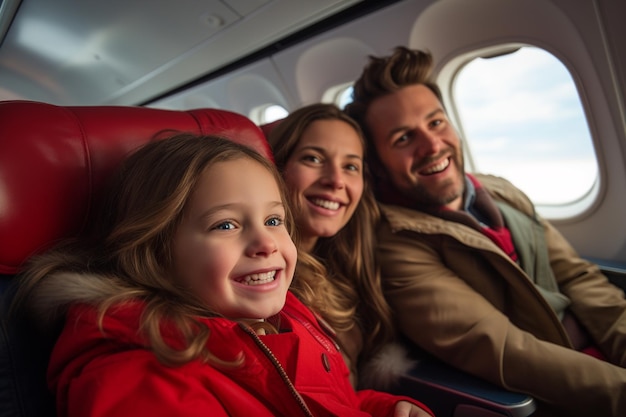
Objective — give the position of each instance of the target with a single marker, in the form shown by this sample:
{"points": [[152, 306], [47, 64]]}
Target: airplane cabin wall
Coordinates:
{"points": [[586, 35], [575, 33]]}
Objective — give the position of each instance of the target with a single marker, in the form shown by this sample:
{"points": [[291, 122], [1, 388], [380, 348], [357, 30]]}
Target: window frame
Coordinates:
{"points": [[446, 74]]}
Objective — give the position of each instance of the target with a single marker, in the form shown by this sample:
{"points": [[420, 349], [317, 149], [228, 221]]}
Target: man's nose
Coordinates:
{"points": [[428, 144]]}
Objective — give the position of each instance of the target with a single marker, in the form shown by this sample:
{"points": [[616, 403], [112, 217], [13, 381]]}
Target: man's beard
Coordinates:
{"points": [[421, 196], [445, 192]]}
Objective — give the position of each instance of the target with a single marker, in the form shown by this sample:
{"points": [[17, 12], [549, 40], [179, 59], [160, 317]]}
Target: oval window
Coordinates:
{"points": [[523, 120]]}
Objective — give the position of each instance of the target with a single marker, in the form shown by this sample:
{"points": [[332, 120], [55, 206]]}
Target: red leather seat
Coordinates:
{"points": [[53, 161], [267, 127]]}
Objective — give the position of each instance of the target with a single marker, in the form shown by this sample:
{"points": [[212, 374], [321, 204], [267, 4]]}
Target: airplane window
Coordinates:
{"points": [[344, 97], [268, 113], [523, 120], [341, 95]]}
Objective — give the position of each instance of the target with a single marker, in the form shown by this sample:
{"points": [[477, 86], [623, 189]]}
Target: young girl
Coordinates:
{"points": [[179, 304], [319, 150]]}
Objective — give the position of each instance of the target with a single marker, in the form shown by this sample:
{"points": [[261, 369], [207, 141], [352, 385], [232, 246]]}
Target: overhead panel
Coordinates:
{"points": [[245, 7], [125, 52]]}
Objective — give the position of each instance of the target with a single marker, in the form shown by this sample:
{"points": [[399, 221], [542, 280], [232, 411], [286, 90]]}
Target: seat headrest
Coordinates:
{"points": [[268, 127], [54, 159]]}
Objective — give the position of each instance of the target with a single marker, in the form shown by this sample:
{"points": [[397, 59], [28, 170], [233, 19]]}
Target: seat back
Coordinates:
{"points": [[268, 127], [54, 162]]}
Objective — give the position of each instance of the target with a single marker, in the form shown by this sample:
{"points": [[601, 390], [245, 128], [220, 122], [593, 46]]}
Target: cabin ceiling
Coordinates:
{"points": [[91, 52]]}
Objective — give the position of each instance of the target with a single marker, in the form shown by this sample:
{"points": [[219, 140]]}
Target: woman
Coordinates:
{"points": [[320, 152]]}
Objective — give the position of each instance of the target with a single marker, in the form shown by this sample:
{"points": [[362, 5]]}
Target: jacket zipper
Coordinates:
{"points": [[323, 338], [279, 368]]}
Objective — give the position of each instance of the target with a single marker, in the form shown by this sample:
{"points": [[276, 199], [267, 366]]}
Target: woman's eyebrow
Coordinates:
{"points": [[323, 151]]}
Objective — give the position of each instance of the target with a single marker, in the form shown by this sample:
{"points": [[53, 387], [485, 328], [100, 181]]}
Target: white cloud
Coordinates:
{"points": [[523, 120]]}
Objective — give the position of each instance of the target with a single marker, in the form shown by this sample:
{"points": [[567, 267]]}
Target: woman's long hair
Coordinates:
{"points": [[340, 278], [128, 256]]}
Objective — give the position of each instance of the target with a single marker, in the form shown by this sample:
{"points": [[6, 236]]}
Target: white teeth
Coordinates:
{"points": [[258, 279], [330, 205], [438, 168]]}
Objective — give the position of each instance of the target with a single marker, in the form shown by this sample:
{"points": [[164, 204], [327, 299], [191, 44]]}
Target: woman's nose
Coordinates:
{"points": [[333, 177]]}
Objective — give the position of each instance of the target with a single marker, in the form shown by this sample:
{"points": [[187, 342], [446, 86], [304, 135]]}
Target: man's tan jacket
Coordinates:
{"points": [[460, 297]]}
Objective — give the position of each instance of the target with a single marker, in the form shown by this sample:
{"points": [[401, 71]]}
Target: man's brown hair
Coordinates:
{"points": [[385, 75]]}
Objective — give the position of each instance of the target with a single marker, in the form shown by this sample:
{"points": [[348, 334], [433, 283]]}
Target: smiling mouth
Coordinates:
{"points": [[435, 169], [258, 279], [327, 204]]}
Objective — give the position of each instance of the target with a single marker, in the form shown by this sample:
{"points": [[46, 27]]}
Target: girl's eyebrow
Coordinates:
{"points": [[275, 204], [231, 206], [215, 209]]}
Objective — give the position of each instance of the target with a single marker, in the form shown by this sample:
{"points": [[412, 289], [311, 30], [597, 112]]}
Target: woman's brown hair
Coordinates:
{"points": [[340, 278]]}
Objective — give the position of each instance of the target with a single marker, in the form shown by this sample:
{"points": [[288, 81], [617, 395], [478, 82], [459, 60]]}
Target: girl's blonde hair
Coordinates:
{"points": [[129, 253], [340, 278]]}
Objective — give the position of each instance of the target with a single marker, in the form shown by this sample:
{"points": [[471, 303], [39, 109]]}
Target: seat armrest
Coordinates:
{"points": [[452, 393]]}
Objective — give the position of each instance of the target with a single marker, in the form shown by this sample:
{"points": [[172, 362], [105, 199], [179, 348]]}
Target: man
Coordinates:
{"points": [[473, 274]]}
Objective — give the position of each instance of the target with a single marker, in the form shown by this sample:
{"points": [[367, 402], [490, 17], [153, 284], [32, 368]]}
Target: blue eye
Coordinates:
{"points": [[274, 221], [227, 225]]}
